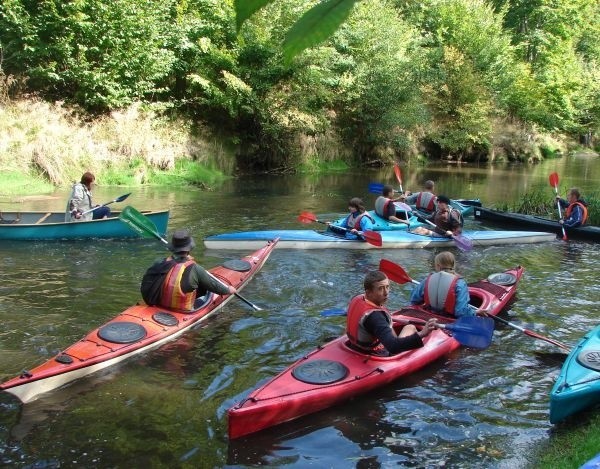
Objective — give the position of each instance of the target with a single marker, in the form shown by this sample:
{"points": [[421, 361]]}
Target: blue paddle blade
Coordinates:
{"points": [[333, 312], [472, 331], [375, 188]]}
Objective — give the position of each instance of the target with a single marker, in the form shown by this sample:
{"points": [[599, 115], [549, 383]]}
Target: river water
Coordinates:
{"points": [[168, 408]]}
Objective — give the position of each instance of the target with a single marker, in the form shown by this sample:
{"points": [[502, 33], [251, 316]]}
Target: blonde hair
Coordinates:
{"points": [[444, 261]]}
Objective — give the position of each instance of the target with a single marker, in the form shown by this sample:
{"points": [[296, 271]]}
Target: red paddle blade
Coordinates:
{"points": [[394, 272], [374, 238], [398, 173], [553, 179], [307, 217]]}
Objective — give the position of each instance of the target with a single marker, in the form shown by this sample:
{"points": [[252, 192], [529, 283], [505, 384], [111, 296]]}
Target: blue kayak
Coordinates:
{"points": [[578, 384], [312, 239]]}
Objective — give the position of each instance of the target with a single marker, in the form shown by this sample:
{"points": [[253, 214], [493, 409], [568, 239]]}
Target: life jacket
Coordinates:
{"points": [[385, 207], [358, 311], [172, 296], [440, 292], [425, 201], [583, 209], [355, 222], [153, 280], [446, 225]]}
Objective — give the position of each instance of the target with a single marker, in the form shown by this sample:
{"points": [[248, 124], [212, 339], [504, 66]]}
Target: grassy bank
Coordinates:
{"points": [[570, 445], [45, 145]]}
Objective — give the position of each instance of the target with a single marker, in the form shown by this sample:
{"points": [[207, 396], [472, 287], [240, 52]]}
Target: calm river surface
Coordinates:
{"points": [[168, 408]]}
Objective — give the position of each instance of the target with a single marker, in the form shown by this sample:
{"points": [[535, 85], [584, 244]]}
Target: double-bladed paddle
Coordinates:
{"points": [[147, 229], [118, 199], [553, 179], [530, 333], [371, 237], [462, 242], [395, 272]]}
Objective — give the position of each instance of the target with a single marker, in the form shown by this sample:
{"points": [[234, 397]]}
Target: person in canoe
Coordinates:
{"points": [[385, 208], [369, 323], [445, 291], [356, 222], [447, 220], [576, 212], [425, 200], [80, 201], [177, 281]]}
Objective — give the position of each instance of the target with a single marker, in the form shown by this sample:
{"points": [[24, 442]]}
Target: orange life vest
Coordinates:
{"points": [[358, 310], [440, 292], [355, 222], [425, 201], [172, 296], [382, 207], [583, 209]]}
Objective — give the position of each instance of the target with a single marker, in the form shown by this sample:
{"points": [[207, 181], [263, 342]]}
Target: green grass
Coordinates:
{"points": [[569, 446], [14, 183]]}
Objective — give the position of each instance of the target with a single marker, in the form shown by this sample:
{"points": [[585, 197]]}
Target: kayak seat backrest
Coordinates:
{"points": [[202, 301]]}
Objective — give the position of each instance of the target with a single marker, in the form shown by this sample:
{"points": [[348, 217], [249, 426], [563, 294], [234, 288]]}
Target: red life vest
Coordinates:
{"points": [[385, 207], [358, 310], [172, 296], [583, 209], [440, 292], [425, 201]]}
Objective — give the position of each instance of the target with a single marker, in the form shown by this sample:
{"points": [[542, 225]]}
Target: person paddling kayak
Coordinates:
{"points": [[80, 202], [369, 323], [184, 280], [357, 222], [385, 208], [576, 212], [445, 291]]}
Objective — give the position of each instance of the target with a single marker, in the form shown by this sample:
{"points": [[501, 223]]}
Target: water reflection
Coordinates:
{"points": [[168, 407]]}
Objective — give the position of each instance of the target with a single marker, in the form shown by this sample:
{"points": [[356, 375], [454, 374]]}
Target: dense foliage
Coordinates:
{"points": [[386, 79]]}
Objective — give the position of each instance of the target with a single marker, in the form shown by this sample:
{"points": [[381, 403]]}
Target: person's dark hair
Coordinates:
{"points": [[387, 190], [87, 179], [443, 199], [357, 203], [575, 192], [429, 185], [372, 277]]}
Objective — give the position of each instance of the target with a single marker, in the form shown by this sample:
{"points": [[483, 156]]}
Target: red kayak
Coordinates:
{"points": [[136, 330], [335, 372]]}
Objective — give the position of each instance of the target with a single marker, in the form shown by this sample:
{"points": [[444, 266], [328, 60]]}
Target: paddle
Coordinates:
{"points": [[535, 335], [376, 188], [462, 242], [147, 229], [553, 179], [118, 199], [470, 331], [395, 272], [371, 237], [398, 174]]}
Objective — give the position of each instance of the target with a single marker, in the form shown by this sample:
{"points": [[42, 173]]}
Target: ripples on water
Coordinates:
{"points": [[168, 408]]}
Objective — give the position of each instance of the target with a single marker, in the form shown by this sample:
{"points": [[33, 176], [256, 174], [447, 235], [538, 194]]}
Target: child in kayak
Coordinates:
{"points": [[575, 207], [369, 323], [445, 291], [385, 208], [356, 223]]}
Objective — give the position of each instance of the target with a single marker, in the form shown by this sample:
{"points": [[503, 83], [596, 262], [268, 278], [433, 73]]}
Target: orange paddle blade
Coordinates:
{"points": [[394, 272], [307, 217], [553, 179]]}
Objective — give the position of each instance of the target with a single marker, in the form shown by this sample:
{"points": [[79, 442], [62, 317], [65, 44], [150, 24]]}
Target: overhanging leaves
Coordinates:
{"points": [[244, 9], [316, 25]]}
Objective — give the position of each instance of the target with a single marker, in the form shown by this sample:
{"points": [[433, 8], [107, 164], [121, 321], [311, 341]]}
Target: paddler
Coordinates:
{"points": [[357, 222], [425, 200], [576, 212], [369, 323], [80, 201], [445, 291], [385, 208]]}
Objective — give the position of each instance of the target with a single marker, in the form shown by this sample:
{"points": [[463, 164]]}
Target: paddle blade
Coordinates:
{"points": [[553, 179], [472, 331], [398, 173], [394, 272], [140, 224], [122, 198], [374, 238], [535, 335], [333, 312], [375, 188], [307, 217], [463, 243]]}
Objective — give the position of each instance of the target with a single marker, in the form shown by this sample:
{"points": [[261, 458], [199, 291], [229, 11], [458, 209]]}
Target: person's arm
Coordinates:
{"points": [[462, 306], [418, 294], [203, 280], [376, 323], [563, 203], [411, 199]]}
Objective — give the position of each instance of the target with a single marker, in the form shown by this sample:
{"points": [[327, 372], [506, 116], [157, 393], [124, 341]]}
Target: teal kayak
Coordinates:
{"points": [[52, 226], [578, 384]]}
